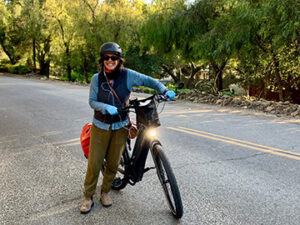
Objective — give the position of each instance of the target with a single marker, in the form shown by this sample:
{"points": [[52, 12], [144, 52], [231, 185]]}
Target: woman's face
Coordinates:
{"points": [[111, 61]]}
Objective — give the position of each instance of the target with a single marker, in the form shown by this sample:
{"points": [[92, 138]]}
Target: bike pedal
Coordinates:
{"points": [[116, 181]]}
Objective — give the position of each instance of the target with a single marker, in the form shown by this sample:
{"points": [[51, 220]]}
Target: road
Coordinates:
{"points": [[232, 167]]}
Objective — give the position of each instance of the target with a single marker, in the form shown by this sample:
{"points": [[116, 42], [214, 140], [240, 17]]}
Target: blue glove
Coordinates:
{"points": [[170, 94], [112, 110]]}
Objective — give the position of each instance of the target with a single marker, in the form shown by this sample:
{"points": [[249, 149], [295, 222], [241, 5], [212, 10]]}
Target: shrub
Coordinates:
{"points": [[22, 69], [15, 69], [228, 93], [148, 90], [75, 77], [4, 68]]}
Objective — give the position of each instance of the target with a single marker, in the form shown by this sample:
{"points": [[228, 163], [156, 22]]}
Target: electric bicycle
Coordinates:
{"points": [[132, 163]]}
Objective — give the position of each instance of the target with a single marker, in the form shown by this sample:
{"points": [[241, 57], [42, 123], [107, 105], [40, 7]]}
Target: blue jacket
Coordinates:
{"points": [[133, 79]]}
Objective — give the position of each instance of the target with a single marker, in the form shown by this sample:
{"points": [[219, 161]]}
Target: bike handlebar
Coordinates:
{"points": [[134, 103]]}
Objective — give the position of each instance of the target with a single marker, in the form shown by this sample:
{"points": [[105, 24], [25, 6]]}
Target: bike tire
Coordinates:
{"points": [[167, 180]]}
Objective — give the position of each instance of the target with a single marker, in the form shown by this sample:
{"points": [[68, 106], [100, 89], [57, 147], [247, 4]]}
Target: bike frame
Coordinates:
{"points": [[136, 163]]}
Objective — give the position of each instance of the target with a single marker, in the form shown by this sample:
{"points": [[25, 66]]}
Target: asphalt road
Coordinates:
{"points": [[232, 167]]}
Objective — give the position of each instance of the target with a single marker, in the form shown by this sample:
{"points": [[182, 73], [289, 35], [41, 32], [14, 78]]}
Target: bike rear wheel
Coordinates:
{"points": [[167, 180]]}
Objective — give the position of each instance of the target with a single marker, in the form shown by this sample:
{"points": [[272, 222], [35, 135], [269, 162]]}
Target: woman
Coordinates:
{"points": [[109, 91]]}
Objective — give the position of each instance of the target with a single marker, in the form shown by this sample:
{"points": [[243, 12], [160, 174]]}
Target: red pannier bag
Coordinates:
{"points": [[85, 139]]}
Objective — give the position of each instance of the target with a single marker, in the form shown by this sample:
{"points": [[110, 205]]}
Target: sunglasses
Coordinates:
{"points": [[113, 58]]}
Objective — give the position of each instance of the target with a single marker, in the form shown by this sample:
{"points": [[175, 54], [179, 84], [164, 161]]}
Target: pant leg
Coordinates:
{"points": [[117, 145], [98, 147]]}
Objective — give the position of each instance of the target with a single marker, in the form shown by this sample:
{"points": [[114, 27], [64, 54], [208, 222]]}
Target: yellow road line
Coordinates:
{"points": [[237, 143], [242, 141]]}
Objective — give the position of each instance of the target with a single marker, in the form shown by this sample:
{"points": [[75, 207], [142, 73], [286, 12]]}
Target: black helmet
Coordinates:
{"points": [[111, 47]]}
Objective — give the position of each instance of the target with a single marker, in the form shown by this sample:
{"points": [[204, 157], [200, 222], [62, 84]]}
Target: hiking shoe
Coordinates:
{"points": [[87, 205], [105, 199]]}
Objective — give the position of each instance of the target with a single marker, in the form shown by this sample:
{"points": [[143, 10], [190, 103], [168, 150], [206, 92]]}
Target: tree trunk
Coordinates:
{"points": [[12, 59], [42, 56], [170, 72], [267, 80], [219, 75], [289, 85], [278, 77], [33, 55], [179, 75], [192, 76], [69, 70], [45, 68], [85, 70], [220, 80]]}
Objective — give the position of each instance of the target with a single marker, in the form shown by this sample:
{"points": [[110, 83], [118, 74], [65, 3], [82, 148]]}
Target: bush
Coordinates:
{"points": [[148, 90], [21, 69], [228, 93], [4, 68], [75, 77], [15, 69], [90, 75], [169, 86], [184, 90]]}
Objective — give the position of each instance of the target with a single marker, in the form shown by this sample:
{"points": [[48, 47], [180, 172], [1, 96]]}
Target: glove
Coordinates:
{"points": [[170, 94], [112, 110]]}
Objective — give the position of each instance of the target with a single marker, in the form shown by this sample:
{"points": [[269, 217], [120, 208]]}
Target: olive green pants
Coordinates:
{"points": [[108, 144]]}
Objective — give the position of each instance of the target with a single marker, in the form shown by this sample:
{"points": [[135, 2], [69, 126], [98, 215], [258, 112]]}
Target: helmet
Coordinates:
{"points": [[111, 47], [85, 139]]}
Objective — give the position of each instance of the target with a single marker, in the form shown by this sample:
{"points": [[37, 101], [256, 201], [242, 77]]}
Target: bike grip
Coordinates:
{"points": [[170, 94]]}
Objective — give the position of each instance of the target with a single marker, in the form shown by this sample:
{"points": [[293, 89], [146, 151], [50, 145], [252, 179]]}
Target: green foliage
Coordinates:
{"points": [[148, 90], [228, 93], [19, 69], [206, 86], [15, 69], [144, 62], [173, 87], [254, 43], [12, 36], [75, 77], [4, 67], [169, 86]]}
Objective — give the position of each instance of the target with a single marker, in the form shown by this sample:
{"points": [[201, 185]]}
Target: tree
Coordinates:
{"points": [[264, 34], [62, 21], [32, 23], [88, 38], [11, 33], [193, 33]]}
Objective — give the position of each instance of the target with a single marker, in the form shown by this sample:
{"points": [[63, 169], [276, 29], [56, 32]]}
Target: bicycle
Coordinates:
{"points": [[132, 163]]}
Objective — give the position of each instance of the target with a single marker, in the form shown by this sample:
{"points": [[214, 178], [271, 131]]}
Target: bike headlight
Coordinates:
{"points": [[152, 133]]}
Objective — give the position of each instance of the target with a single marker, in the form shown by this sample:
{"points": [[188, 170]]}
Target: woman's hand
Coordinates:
{"points": [[112, 110], [170, 94]]}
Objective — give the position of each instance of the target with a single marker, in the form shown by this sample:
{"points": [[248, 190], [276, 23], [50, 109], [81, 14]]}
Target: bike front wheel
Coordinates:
{"points": [[167, 180]]}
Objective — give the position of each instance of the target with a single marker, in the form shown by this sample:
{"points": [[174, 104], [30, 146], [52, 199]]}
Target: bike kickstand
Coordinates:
{"points": [[148, 168]]}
